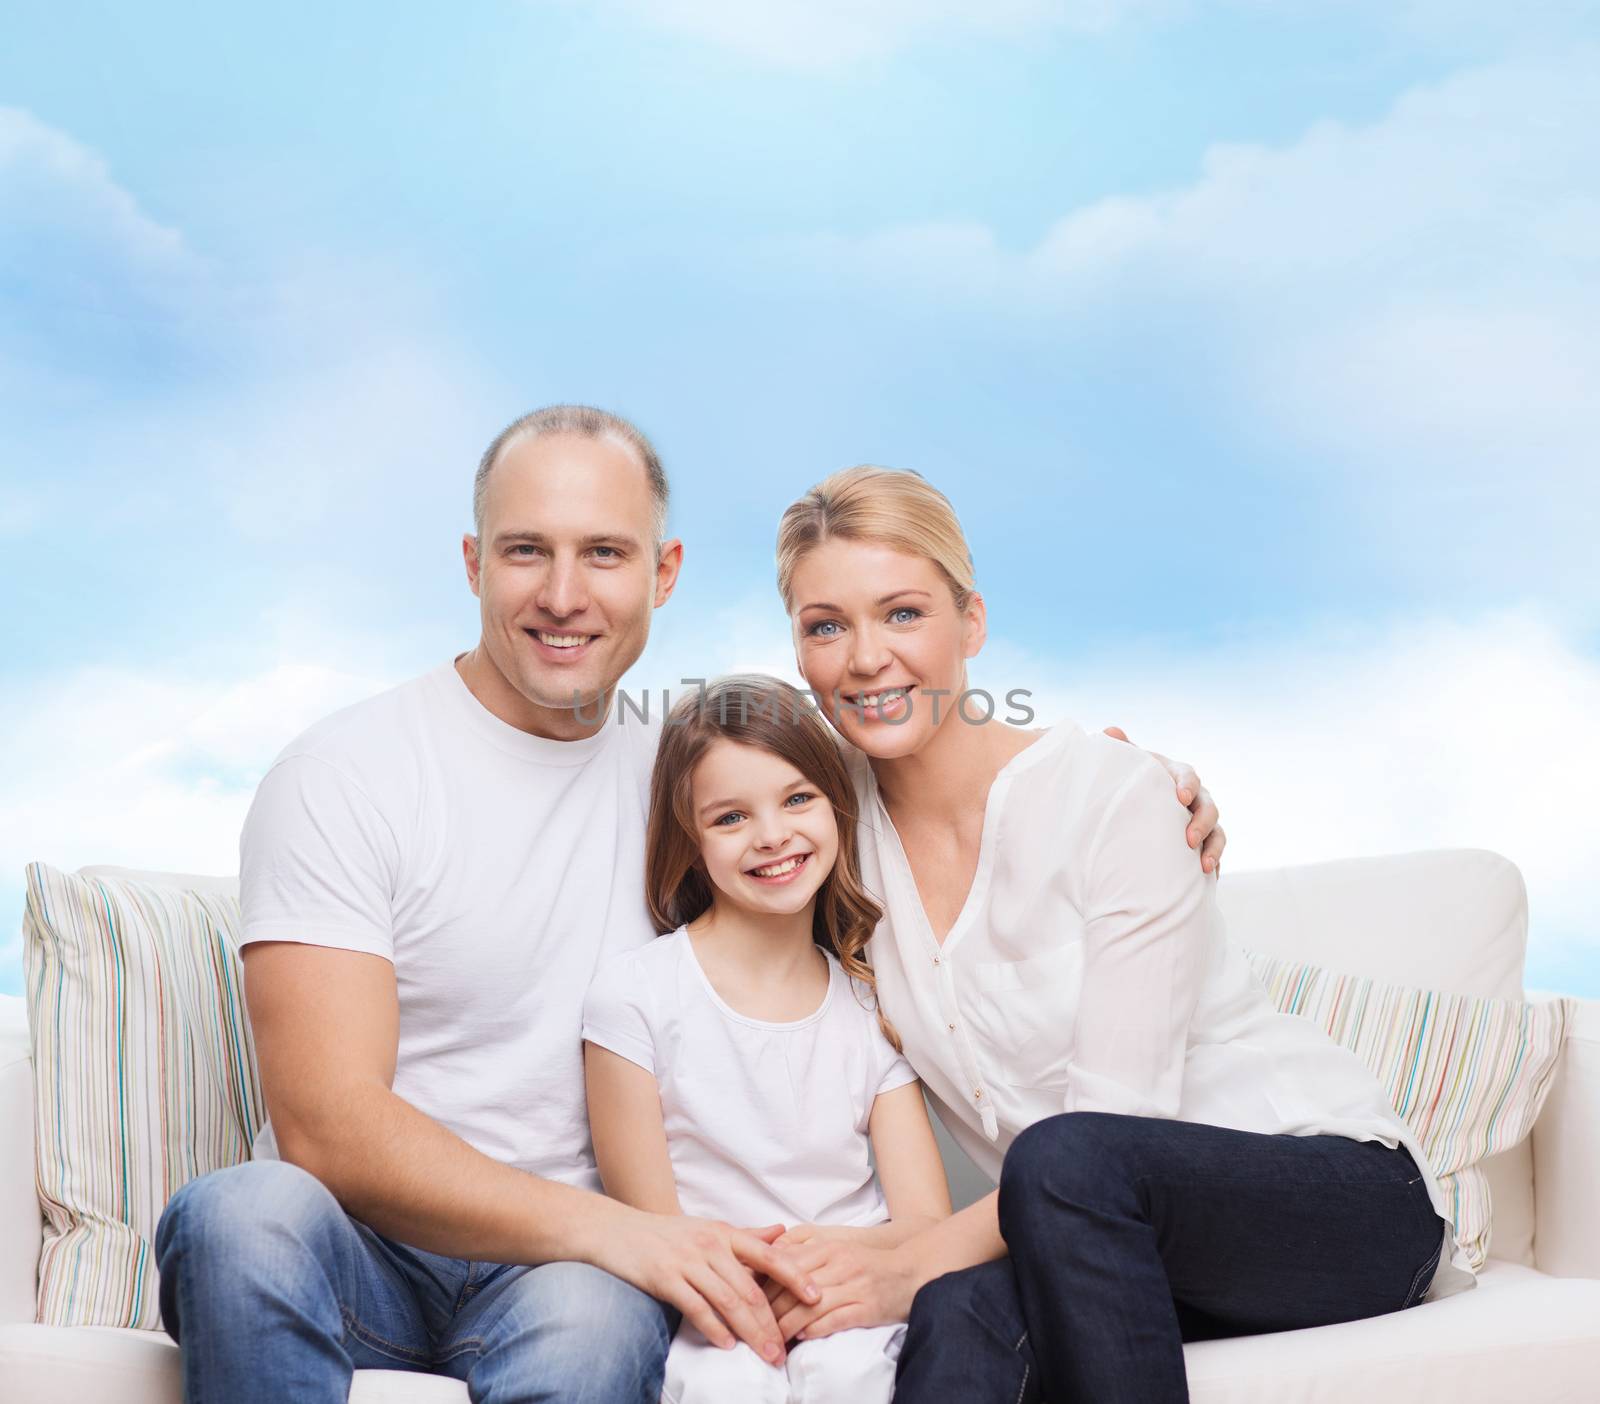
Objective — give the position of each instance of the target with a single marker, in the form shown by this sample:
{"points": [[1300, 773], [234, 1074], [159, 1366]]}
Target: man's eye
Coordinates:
{"points": [[523, 550], [611, 552]]}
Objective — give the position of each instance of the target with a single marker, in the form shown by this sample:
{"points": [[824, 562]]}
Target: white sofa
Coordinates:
{"points": [[1451, 920]]}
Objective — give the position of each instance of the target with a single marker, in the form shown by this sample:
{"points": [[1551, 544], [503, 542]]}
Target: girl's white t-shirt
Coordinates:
{"points": [[765, 1122]]}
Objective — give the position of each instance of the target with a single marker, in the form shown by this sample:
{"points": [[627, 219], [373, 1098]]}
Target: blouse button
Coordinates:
{"points": [[977, 1096], [936, 960], [951, 1027]]}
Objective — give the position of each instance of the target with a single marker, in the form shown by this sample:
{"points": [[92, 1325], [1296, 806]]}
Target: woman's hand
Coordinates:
{"points": [[1204, 832], [860, 1286]]}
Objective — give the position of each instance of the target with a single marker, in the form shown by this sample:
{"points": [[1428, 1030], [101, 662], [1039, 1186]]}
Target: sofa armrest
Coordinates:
{"points": [[21, 1225], [1566, 1157]]}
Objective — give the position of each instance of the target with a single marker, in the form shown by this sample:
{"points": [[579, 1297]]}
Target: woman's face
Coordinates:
{"points": [[878, 639]]}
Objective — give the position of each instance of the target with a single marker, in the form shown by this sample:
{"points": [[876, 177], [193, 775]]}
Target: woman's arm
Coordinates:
{"points": [[630, 1140]]}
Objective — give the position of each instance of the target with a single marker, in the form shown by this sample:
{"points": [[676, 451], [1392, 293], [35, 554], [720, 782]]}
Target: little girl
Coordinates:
{"points": [[736, 1067]]}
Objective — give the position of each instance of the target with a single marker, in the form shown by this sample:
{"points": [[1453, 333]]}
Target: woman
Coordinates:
{"points": [[1175, 1159]]}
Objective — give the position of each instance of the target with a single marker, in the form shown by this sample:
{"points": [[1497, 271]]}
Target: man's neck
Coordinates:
{"points": [[497, 696]]}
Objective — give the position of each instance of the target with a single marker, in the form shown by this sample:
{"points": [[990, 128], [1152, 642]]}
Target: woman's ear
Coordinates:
{"points": [[975, 631]]}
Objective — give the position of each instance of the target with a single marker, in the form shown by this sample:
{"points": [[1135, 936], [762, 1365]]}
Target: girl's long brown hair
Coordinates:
{"points": [[754, 710]]}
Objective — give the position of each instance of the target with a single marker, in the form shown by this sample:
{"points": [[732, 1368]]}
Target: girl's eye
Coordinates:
{"points": [[722, 820], [906, 609], [819, 626], [801, 795]]}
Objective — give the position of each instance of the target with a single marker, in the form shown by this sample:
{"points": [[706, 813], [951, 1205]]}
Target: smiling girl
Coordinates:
{"points": [[737, 1068]]}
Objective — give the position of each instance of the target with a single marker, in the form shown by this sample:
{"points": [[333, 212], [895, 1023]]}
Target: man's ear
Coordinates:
{"points": [[975, 633], [469, 554], [667, 569]]}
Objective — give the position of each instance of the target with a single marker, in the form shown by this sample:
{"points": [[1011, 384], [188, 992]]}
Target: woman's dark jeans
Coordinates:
{"points": [[1129, 1235]]}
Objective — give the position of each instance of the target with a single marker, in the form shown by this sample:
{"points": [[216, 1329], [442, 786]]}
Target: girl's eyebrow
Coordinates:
{"points": [[880, 601], [801, 783]]}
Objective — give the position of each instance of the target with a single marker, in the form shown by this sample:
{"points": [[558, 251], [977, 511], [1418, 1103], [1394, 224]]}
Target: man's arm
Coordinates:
{"points": [[326, 1024]]}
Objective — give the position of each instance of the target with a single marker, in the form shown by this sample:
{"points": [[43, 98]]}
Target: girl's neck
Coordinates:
{"points": [[760, 945]]}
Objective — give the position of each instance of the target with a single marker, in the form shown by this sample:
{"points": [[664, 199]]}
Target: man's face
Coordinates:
{"points": [[565, 573]]}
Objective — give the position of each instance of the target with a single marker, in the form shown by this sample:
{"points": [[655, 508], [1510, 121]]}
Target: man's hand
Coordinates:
{"points": [[707, 1270], [1204, 831]]}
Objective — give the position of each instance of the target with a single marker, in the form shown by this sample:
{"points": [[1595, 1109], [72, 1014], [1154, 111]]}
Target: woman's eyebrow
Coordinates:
{"points": [[881, 600]]}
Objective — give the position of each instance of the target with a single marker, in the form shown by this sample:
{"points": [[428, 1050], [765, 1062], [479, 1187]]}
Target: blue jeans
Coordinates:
{"points": [[275, 1293], [1129, 1235]]}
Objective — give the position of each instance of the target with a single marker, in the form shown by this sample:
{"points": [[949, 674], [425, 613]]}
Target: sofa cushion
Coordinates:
{"points": [[49, 1364], [1468, 1075], [1518, 1335], [143, 1074], [1479, 1347]]}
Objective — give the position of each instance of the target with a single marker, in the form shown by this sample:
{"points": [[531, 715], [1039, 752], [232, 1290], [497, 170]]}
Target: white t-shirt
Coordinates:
{"points": [[1089, 970], [493, 868], [766, 1123]]}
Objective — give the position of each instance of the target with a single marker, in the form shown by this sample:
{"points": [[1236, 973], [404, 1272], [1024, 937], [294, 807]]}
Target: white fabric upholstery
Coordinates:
{"points": [[1517, 1335], [21, 1223], [113, 1365], [1566, 1158]]}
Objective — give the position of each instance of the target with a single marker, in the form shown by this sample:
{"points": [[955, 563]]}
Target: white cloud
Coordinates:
{"points": [[1415, 301], [1426, 733]]}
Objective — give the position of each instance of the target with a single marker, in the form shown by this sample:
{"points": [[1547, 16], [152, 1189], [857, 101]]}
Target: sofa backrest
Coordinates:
{"points": [[1453, 920]]}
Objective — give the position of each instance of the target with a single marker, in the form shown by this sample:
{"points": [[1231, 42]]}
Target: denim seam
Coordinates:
{"points": [[378, 1342], [1429, 1265], [1022, 1388]]}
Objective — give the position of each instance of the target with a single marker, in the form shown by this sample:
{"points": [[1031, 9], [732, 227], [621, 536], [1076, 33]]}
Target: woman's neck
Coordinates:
{"points": [[952, 774]]}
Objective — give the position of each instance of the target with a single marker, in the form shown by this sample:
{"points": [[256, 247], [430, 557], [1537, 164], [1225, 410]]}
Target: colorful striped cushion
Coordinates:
{"points": [[144, 1075], [1468, 1075]]}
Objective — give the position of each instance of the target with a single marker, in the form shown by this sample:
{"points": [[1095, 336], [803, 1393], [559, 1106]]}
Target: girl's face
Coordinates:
{"points": [[767, 835], [879, 628]]}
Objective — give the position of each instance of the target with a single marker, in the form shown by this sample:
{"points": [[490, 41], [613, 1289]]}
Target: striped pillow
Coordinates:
{"points": [[1468, 1075], [144, 1075]]}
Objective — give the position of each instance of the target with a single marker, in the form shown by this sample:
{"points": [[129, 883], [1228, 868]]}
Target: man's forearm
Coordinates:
{"points": [[401, 1172]]}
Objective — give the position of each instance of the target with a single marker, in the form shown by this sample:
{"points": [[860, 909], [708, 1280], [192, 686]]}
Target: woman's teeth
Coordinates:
{"points": [[877, 699], [779, 869]]}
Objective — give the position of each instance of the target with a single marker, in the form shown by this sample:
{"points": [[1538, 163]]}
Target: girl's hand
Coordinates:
{"points": [[859, 1285]]}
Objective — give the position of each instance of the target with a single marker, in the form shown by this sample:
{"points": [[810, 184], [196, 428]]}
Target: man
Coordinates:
{"points": [[428, 880]]}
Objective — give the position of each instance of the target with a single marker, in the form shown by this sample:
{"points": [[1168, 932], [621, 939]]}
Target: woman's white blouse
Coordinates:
{"points": [[1089, 971]]}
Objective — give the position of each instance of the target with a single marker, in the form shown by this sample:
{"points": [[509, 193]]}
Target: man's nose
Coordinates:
{"points": [[562, 591]]}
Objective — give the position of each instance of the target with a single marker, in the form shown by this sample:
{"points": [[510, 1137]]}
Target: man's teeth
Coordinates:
{"points": [[562, 640], [779, 869], [877, 699]]}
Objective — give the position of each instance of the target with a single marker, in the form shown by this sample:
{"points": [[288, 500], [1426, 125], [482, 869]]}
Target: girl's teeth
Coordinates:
{"points": [[788, 865]]}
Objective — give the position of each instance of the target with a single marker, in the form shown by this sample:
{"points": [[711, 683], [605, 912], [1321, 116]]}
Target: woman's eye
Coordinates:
{"points": [[820, 625], [906, 609]]}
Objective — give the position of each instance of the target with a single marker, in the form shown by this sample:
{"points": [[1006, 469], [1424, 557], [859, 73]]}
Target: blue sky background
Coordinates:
{"points": [[1257, 344]]}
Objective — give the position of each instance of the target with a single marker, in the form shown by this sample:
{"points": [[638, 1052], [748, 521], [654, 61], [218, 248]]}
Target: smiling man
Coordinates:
{"points": [[428, 881]]}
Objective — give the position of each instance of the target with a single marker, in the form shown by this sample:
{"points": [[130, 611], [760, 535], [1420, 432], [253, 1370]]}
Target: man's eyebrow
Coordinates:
{"points": [[538, 538], [881, 600]]}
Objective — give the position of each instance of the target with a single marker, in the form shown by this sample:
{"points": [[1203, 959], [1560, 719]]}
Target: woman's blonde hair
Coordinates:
{"points": [[896, 507], [753, 710]]}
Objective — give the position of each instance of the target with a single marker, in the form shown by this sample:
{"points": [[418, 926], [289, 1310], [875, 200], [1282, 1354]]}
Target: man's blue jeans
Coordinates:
{"points": [[1128, 1235], [275, 1293]]}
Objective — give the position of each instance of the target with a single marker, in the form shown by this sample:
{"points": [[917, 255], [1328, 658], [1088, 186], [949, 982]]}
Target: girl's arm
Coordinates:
{"points": [[909, 1168], [630, 1140]]}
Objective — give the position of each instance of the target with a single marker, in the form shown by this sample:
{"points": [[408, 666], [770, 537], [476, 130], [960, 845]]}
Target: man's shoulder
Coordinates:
{"points": [[368, 735]]}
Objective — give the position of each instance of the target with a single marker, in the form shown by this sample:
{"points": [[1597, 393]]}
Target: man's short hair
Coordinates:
{"points": [[589, 423]]}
